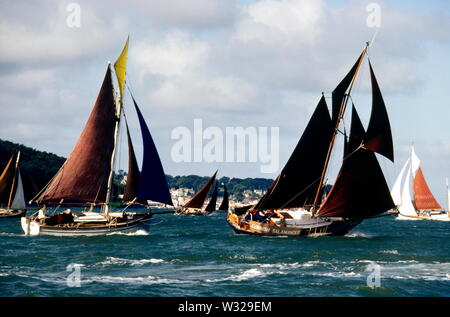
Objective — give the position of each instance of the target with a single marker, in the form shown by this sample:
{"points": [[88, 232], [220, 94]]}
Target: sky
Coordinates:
{"points": [[241, 63]]}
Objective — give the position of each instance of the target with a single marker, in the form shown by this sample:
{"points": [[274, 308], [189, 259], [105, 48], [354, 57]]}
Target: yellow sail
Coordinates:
{"points": [[120, 66]]}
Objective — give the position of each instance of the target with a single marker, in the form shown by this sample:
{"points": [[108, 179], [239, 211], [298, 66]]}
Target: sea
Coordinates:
{"points": [[201, 256]]}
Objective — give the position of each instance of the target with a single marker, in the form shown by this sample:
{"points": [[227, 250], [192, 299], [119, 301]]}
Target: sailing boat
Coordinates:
{"points": [[423, 205], [194, 206], [293, 204], [224, 205], [86, 177], [11, 190]]}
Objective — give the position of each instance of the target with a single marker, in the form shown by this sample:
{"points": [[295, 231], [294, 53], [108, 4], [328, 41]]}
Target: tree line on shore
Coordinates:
{"points": [[38, 167]]}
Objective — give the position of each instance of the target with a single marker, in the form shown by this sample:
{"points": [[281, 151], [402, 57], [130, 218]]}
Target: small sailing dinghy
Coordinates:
{"points": [[85, 179], [297, 203], [194, 207], [422, 205], [12, 198]]}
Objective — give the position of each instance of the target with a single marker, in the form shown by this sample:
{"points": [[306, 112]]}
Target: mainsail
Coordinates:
{"points": [[212, 203], [299, 180], [360, 189], [84, 176], [224, 205], [199, 198], [7, 181], [423, 198]]}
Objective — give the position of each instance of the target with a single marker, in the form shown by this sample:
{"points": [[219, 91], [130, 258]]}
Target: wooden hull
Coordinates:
{"points": [[439, 217], [12, 213], [33, 227], [322, 227]]}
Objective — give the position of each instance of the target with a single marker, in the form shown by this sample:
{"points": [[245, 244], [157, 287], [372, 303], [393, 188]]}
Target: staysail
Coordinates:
{"points": [[133, 175], [199, 198], [396, 191], [84, 176], [224, 205], [299, 180], [406, 207], [19, 197], [153, 183], [360, 189], [423, 198], [378, 136], [212, 203]]}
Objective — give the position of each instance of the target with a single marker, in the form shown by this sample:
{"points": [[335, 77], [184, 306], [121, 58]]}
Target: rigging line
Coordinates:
{"points": [[296, 195]]}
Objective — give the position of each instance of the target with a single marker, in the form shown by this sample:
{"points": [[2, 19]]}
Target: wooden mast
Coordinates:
{"points": [[113, 156], [333, 137]]}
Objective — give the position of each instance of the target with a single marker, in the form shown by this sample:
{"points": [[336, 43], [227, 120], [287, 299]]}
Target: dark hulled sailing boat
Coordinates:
{"points": [[12, 199], [296, 203], [195, 205], [85, 179]]}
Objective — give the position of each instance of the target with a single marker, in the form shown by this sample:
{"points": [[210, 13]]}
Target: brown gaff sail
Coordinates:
{"points": [[224, 205], [360, 190], [423, 198], [84, 176], [7, 181], [213, 201], [298, 182], [199, 198]]}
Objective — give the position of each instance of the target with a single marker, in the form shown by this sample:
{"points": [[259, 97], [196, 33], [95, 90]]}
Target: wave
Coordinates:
{"points": [[143, 280], [246, 275], [110, 260], [390, 252], [139, 232], [358, 235]]}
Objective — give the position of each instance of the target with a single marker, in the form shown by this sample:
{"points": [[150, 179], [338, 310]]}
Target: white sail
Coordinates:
{"points": [[407, 208], [19, 197], [415, 162], [448, 197], [396, 191]]}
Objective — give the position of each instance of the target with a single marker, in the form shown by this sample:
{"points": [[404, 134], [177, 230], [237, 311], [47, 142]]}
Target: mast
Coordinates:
{"points": [[342, 106], [120, 68], [113, 155]]}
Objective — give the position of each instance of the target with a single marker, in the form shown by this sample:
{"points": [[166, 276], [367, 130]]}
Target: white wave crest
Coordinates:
{"points": [[110, 260]]}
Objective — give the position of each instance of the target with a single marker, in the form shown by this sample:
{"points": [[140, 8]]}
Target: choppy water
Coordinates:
{"points": [[201, 256]]}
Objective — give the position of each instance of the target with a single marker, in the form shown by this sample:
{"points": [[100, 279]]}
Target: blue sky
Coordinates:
{"points": [[230, 63]]}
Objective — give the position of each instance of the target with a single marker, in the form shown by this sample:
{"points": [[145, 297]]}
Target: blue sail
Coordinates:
{"points": [[153, 184]]}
